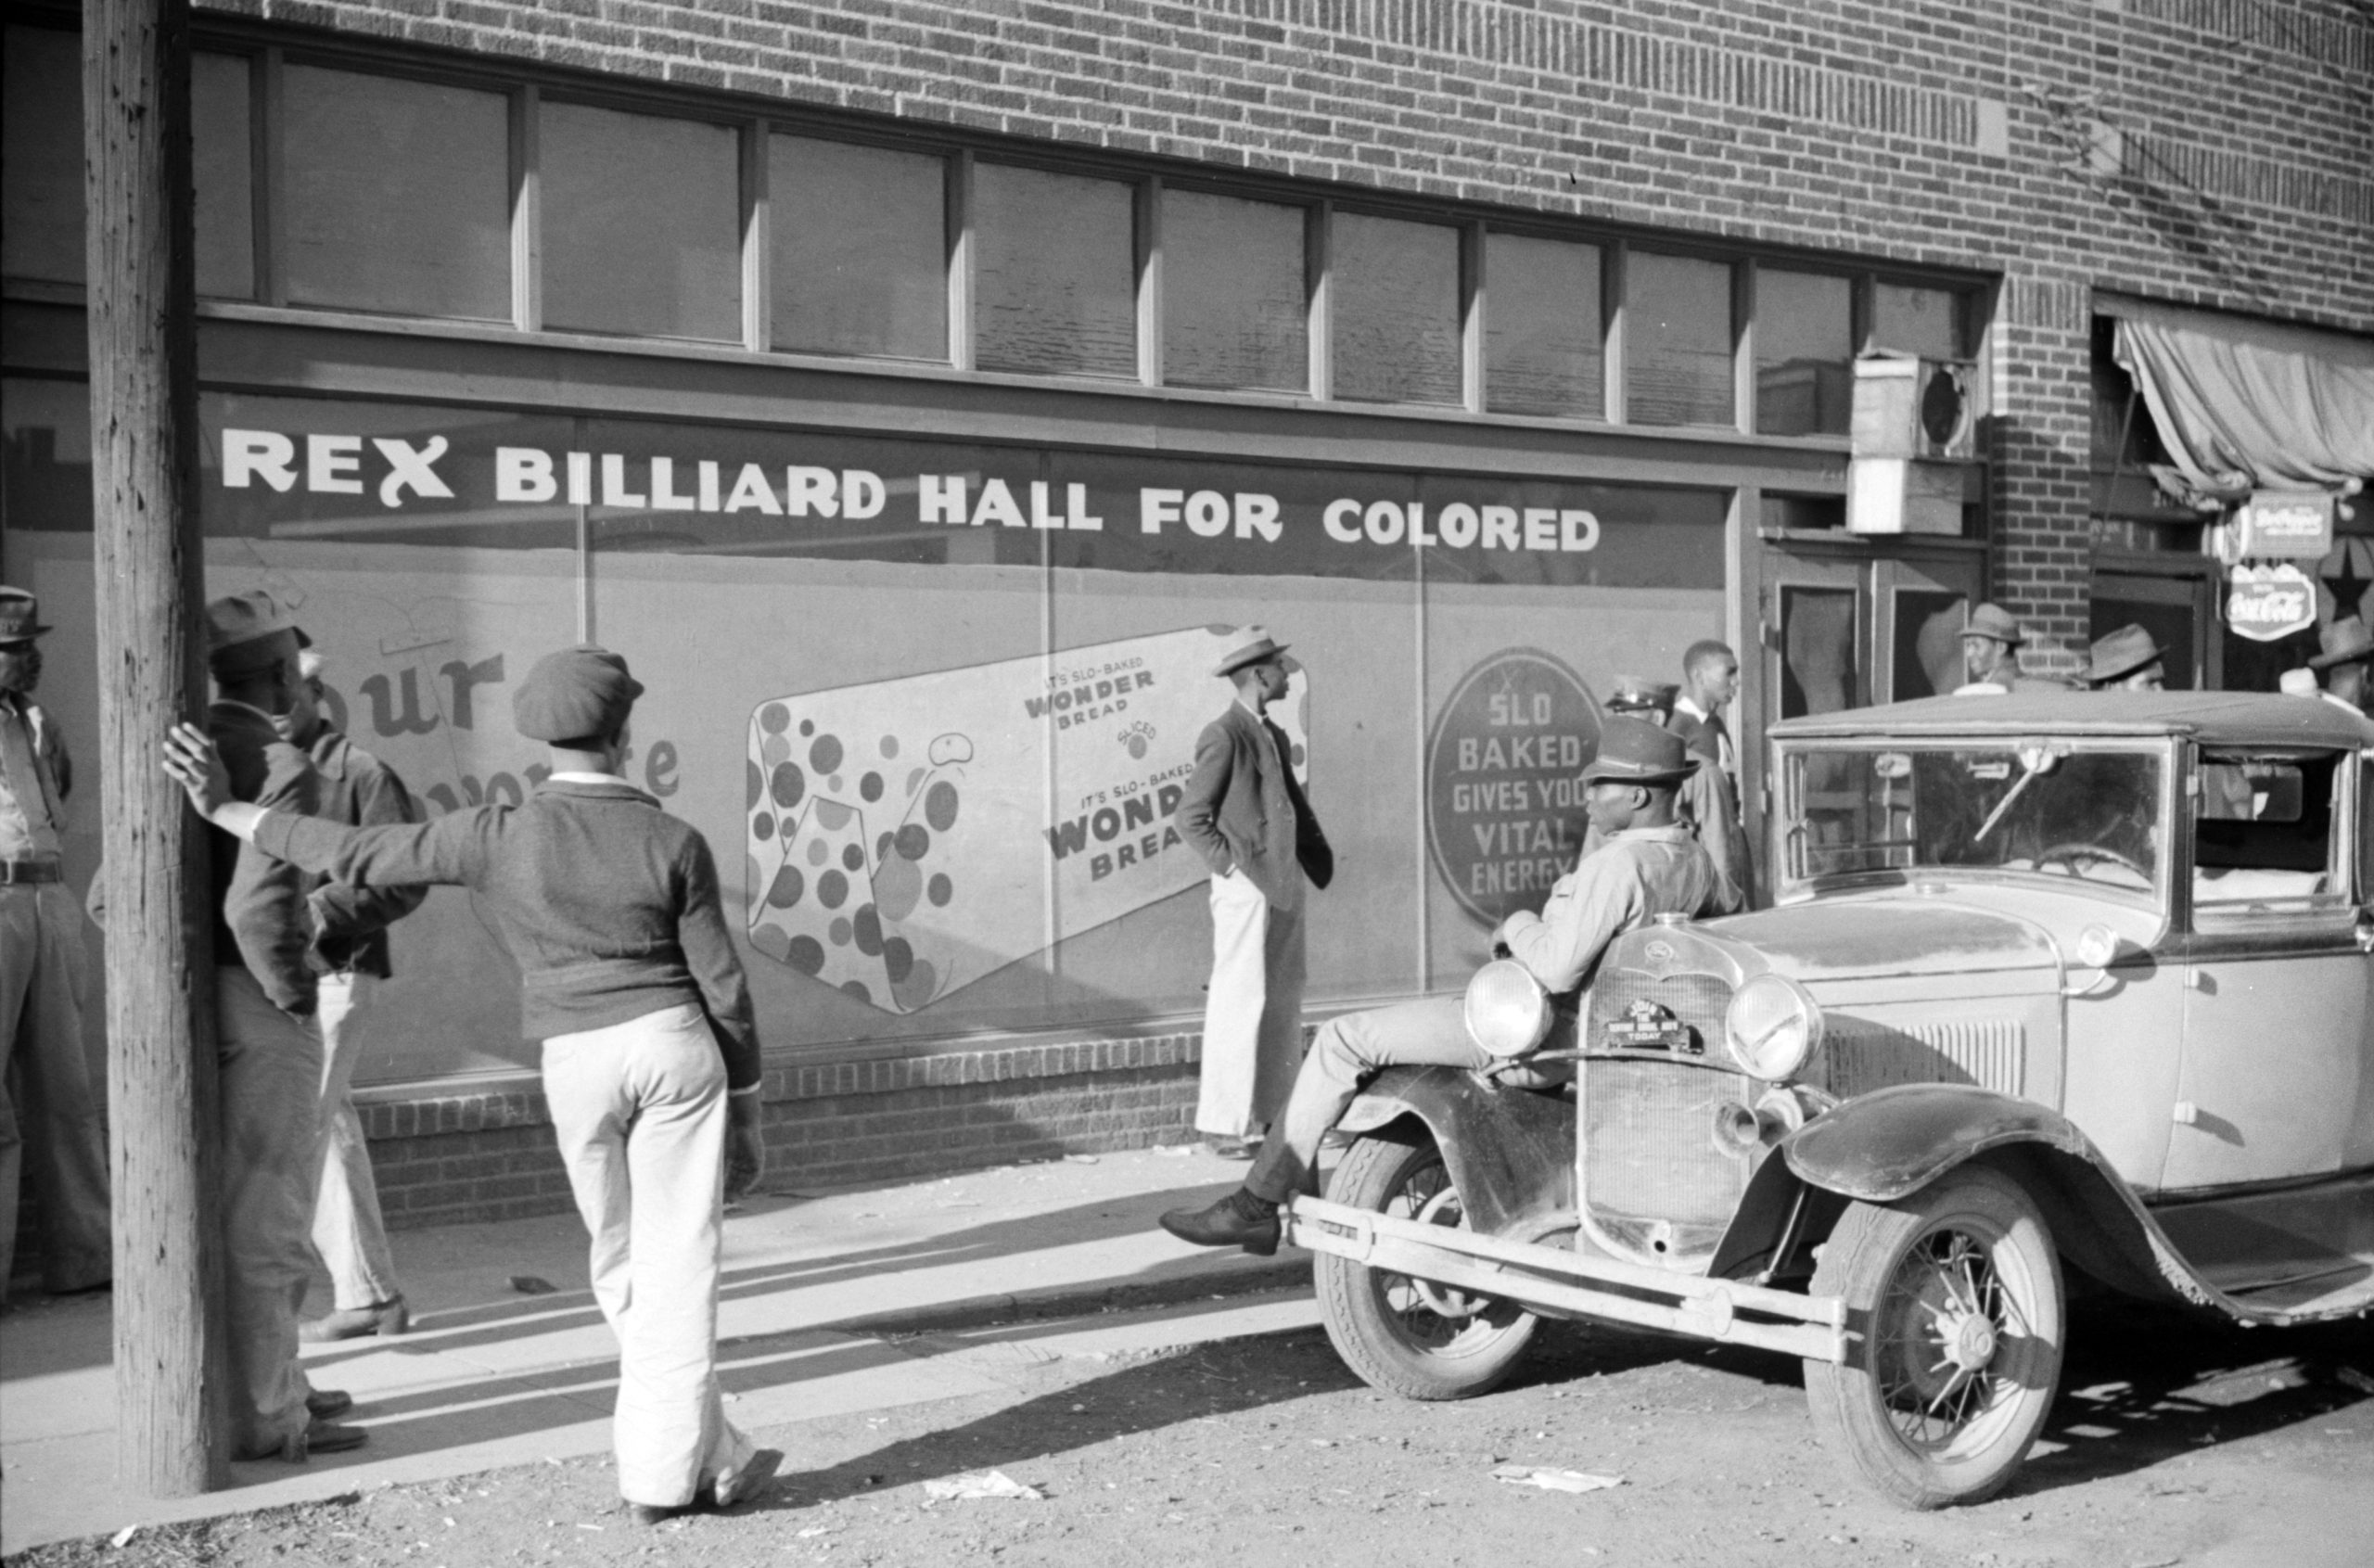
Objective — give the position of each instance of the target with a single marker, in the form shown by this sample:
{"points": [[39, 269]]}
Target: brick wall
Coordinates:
{"points": [[490, 1156]]}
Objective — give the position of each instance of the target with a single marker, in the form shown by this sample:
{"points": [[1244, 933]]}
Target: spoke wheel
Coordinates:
{"points": [[1409, 1337], [1956, 1295]]}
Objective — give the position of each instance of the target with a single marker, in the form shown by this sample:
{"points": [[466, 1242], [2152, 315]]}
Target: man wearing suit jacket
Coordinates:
{"points": [[1710, 678], [1246, 816]]}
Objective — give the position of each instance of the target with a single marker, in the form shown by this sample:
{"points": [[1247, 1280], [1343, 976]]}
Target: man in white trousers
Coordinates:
{"points": [[1245, 814], [349, 954], [651, 1056]]}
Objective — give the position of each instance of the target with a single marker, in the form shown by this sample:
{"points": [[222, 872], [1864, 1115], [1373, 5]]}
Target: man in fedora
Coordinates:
{"points": [[267, 1038], [1649, 865], [1991, 643], [2348, 646], [2128, 660], [1245, 814], [1705, 799], [57, 1121]]}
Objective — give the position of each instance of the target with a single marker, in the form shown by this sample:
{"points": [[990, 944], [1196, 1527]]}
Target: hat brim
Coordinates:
{"points": [[2122, 671], [1597, 774], [26, 635], [1237, 661], [2346, 656]]}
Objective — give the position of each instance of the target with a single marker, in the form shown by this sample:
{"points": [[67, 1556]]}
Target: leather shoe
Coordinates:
{"points": [[323, 1437], [389, 1317], [323, 1404], [749, 1481], [1234, 1221]]}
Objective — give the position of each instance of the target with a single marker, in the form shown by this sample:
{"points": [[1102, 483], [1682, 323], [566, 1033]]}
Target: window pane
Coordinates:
{"points": [[41, 163], [1928, 654], [1233, 311], [642, 224], [1055, 284], [1920, 321], [1678, 319], [398, 195], [1805, 353], [1542, 327], [860, 243], [225, 176], [1396, 311]]}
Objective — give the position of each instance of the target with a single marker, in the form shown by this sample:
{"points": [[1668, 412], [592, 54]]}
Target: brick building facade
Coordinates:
{"points": [[2030, 168]]}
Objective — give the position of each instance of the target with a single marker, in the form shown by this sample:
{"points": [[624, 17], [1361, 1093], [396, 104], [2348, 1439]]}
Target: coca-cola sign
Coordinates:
{"points": [[2266, 604]]}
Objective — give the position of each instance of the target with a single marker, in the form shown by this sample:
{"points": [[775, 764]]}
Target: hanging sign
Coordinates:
{"points": [[2266, 604], [2285, 525]]}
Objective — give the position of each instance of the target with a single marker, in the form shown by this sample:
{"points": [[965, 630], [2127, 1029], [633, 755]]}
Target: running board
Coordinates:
{"points": [[1529, 1274]]}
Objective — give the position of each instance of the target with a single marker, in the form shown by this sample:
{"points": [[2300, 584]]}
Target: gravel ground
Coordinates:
{"points": [[2173, 1441]]}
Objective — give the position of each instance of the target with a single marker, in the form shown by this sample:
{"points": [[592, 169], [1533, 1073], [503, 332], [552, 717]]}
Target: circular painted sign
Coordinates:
{"points": [[1504, 792]]}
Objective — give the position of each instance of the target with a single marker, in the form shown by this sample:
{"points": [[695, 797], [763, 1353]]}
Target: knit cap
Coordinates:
{"points": [[574, 695]]}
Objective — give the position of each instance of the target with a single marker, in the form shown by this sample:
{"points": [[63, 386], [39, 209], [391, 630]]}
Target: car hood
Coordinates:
{"points": [[1908, 936]]}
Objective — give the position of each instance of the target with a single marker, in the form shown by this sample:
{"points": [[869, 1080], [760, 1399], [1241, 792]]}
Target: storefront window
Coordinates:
{"points": [[1542, 327], [1055, 288], [223, 176], [1677, 322], [398, 195], [1396, 311], [41, 170], [860, 249], [1234, 312], [1805, 353], [1912, 320], [41, 165], [642, 224]]}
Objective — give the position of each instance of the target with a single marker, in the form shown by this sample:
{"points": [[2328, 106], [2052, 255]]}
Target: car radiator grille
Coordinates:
{"points": [[1649, 1142]]}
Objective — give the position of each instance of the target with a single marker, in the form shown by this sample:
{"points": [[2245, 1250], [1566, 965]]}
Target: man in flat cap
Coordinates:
{"points": [[650, 1050], [1245, 812], [1704, 801], [350, 957], [2125, 660], [267, 1038], [49, 1108], [1649, 865], [2348, 647]]}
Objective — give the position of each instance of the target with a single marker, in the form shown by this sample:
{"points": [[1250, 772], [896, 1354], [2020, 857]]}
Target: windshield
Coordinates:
{"points": [[2005, 805]]}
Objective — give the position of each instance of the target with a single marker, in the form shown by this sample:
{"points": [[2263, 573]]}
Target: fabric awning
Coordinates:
{"points": [[2243, 404]]}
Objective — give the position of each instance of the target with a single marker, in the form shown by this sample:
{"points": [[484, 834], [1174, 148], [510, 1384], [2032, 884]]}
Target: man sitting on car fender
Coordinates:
{"points": [[1649, 865]]}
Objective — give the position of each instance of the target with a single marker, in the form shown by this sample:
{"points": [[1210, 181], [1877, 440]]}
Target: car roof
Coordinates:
{"points": [[2237, 719]]}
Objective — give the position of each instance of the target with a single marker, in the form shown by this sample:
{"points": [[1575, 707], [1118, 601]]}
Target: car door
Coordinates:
{"points": [[2276, 1009]]}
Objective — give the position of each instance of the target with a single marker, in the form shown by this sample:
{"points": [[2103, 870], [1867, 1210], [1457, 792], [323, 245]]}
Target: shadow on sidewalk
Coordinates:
{"points": [[462, 1328]]}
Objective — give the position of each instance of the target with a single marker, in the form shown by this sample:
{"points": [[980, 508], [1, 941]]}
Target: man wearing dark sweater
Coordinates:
{"points": [[651, 1056]]}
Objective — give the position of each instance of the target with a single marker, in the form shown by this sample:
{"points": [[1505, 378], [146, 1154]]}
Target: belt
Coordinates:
{"points": [[27, 872]]}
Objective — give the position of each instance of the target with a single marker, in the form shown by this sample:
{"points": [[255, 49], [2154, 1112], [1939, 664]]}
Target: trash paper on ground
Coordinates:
{"points": [[1554, 1480], [983, 1483]]}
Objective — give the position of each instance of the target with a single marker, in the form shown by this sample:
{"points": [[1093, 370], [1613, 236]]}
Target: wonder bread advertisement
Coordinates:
{"points": [[907, 837]]}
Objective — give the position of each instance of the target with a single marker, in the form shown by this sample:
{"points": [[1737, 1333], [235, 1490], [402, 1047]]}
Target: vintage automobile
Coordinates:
{"points": [[2057, 987]]}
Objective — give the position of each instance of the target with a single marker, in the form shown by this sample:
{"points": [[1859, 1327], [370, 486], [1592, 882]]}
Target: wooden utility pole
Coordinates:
{"points": [[170, 1362]]}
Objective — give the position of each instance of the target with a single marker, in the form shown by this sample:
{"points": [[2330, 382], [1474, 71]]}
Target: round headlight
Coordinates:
{"points": [[1508, 1011], [1771, 1027]]}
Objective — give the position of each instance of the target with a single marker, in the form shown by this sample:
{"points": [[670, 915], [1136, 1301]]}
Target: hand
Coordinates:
{"points": [[191, 759], [746, 1146]]}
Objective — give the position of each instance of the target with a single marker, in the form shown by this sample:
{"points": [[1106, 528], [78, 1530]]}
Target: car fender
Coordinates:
{"points": [[1892, 1142], [1511, 1152]]}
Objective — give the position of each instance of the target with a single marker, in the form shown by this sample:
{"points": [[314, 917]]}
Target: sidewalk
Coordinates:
{"points": [[491, 1377]]}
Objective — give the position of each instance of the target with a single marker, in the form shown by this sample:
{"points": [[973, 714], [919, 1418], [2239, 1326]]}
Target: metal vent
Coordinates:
{"points": [[1990, 1052]]}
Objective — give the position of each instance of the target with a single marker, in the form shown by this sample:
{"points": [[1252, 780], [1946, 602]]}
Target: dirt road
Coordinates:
{"points": [[2173, 1443]]}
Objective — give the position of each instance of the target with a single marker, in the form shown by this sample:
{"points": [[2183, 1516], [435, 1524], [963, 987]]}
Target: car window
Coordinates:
{"points": [[2265, 831], [2042, 808]]}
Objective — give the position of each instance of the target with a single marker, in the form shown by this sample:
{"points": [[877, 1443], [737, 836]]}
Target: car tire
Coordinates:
{"points": [[1408, 1337], [1958, 1319]]}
